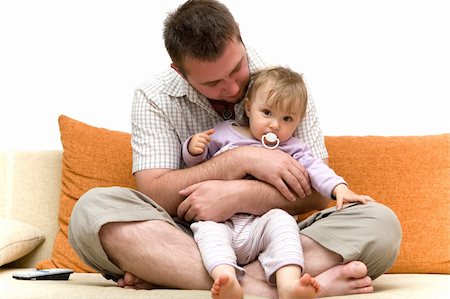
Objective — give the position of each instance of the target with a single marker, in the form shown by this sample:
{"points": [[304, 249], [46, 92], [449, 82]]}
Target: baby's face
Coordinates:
{"points": [[265, 119]]}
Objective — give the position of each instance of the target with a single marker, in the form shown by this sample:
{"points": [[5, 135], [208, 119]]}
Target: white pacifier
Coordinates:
{"points": [[270, 138]]}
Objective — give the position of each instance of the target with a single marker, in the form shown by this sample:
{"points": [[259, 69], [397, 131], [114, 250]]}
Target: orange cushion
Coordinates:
{"points": [[92, 157], [411, 175]]}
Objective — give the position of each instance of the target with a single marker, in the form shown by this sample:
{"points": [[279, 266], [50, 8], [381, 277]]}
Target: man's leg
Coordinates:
{"points": [[156, 252], [325, 265], [346, 241], [136, 267], [347, 249], [117, 230], [334, 277], [122, 232]]}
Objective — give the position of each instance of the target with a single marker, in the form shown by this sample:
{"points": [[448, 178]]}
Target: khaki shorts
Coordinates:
{"points": [[369, 233]]}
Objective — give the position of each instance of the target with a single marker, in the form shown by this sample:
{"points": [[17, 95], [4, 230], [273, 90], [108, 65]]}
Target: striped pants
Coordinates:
{"points": [[273, 238]]}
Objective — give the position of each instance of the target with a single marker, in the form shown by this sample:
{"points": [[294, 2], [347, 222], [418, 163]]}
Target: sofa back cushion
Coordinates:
{"points": [[92, 157], [409, 174]]}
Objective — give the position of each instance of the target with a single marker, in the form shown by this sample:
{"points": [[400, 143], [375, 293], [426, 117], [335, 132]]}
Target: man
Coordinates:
{"points": [[144, 235]]}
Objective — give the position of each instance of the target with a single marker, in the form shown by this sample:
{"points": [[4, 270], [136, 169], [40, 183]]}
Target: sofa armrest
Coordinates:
{"points": [[30, 184]]}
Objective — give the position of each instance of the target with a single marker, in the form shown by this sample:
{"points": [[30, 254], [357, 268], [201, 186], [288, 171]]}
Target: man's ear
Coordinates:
{"points": [[173, 65]]}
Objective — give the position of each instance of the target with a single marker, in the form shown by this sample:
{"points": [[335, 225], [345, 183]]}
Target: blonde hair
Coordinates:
{"points": [[286, 89]]}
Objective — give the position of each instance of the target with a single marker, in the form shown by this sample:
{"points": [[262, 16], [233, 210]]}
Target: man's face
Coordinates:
{"points": [[225, 79]]}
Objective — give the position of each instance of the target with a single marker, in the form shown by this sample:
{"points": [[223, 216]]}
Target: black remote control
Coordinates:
{"points": [[45, 274]]}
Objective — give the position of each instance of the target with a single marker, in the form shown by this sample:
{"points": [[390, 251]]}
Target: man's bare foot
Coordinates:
{"points": [[130, 281], [225, 287], [345, 279], [306, 287]]}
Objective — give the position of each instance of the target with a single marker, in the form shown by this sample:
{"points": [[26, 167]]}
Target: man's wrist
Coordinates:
{"points": [[247, 191], [243, 157], [235, 163]]}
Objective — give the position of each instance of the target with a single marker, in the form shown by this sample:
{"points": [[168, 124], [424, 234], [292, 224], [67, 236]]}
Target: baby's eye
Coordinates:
{"points": [[266, 112], [287, 118]]}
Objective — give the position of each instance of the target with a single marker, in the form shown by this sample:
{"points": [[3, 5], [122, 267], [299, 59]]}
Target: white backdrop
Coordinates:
{"points": [[373, 67]]}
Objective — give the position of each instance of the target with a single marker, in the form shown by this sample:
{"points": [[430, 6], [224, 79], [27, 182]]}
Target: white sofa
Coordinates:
{"points": [[30, 186]]}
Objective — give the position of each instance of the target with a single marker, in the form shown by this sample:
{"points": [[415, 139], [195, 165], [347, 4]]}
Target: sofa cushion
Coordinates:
{"points": [[94, 286], [18, 239], [92, 157], [409, 174]]}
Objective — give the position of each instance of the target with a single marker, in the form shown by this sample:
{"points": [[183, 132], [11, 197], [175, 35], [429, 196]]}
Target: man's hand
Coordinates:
{"points": [[209, 200], [278, 169]]}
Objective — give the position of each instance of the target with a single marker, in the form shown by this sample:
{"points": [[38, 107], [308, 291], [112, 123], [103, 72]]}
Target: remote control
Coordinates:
{"points": [[45, 274]]}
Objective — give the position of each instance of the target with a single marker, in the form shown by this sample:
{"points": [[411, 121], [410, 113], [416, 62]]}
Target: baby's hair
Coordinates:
{"points": [[286, 88]]}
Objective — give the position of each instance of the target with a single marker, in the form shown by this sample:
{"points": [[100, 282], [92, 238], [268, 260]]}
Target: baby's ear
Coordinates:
{"points": [[247, 106]]}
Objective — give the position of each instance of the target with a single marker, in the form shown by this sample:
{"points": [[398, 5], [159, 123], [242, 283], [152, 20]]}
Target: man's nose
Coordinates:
{"points": [[232, 88]]}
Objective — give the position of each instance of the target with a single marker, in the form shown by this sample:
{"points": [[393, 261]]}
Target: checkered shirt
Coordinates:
{"points": [[167, 110]]}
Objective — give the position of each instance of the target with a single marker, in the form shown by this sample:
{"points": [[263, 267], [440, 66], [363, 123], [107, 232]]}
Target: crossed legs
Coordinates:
{"points": [[156, 253], [155, 256]]}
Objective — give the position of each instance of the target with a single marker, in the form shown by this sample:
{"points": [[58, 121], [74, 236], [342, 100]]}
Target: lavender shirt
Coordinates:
{"points": [[323, 179]]}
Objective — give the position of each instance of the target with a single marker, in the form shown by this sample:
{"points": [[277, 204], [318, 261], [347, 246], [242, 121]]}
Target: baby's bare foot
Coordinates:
{"points": [[225, 287], [306, 287]]}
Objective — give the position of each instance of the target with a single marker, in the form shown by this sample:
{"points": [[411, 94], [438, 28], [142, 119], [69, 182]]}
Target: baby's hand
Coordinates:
{"points": [[344, 195], [199, 141]]}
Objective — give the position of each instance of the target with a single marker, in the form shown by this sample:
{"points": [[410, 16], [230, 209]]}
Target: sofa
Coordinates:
{"points": [[410, 174]]}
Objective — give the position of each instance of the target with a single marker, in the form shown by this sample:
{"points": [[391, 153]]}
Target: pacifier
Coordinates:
{"points": [[270, 138]]}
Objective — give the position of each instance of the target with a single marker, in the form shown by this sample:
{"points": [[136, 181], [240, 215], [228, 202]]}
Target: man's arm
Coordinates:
{"points": [[266, 197], [163, 185], [278, 169], [219, 200]]}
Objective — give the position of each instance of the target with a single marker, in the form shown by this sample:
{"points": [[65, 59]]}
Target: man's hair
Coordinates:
{"points": [[286, 89], [198, 29]]}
